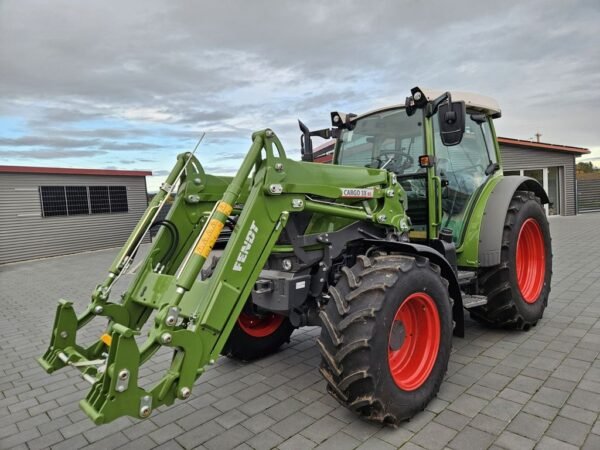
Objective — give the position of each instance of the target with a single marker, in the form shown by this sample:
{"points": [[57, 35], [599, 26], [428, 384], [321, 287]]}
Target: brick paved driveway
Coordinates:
{"points": [[503, 389]]}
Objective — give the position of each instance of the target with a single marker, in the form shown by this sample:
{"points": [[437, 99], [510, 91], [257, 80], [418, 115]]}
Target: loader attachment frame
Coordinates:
{"points": [[195, 317]]}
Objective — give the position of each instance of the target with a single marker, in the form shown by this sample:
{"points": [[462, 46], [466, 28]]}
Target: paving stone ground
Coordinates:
{"points": [[536, 389]]}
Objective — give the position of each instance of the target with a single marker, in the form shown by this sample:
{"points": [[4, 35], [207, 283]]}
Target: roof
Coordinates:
{"points": [[70, 171], [475, 101], [543, 145]]}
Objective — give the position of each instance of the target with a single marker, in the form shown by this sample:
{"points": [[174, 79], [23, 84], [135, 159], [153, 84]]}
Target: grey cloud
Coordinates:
{"points": [[41, 141], [128, 146], [160, 173], [135, 161], [220, 170], [231, 156], [205, 116], [203, 65], [49, 154]]}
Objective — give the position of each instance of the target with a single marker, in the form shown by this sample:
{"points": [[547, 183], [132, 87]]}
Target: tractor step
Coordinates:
{"points": [[471, 301], [465, 277]]}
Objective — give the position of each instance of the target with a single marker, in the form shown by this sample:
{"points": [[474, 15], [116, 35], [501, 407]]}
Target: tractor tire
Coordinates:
{"points": [[254, 334], [518, 288], [386, 336], [257, 335]]}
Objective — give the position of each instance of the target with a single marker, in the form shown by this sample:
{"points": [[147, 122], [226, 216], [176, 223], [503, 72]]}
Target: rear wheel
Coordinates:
{"points": [[386, 336], [518, 288], [257, 334]]}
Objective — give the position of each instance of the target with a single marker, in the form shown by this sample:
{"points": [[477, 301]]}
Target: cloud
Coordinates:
{"points": [[128, 146], [47, 154], [41, 141], [147, 77]]}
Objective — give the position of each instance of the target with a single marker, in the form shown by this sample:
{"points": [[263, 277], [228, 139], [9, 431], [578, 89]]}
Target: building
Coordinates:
{"points": [[52, 211], [552, 165], [588, 192]]}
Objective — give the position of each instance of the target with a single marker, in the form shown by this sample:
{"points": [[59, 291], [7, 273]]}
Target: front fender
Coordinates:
{"points": [[447, 272]]}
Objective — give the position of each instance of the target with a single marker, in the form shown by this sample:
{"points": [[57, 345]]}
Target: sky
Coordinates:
{"points": [[130, 84]]}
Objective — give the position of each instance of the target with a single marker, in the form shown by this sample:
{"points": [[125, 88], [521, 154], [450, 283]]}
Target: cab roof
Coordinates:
{"points": [[482, 103]]}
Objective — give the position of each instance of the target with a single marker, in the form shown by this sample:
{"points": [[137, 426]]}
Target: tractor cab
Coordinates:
{"points": [[441, 148]]}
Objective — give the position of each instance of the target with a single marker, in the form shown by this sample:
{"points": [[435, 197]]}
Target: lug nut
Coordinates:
{"points": [[124, 374], [98, 309], [166, 338], [64, 334]]}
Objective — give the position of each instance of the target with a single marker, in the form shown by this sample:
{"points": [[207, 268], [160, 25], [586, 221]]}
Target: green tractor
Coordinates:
{"points": [[384, 249]]}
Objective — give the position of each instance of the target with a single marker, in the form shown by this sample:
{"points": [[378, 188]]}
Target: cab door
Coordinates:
{"points": [[462, 170]]}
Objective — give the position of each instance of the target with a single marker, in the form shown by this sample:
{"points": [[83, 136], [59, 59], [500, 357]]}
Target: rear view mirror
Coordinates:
{"points": [[305, 143], [451, 118]]}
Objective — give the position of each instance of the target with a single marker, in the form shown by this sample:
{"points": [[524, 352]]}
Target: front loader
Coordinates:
{"points": [[383, 249]]}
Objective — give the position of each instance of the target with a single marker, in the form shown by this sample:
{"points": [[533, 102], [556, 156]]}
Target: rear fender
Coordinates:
{"points": [[447, 272], [492, 223]]}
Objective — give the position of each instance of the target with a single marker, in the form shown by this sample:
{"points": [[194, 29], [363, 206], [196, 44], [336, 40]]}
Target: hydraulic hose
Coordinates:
{"points": [[174, 233]]}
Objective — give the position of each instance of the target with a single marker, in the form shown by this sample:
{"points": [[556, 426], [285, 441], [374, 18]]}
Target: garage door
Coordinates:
{"points": [[588, 195]]}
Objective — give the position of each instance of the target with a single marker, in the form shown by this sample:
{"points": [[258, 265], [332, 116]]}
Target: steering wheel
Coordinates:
{"points": [[401, 161]]}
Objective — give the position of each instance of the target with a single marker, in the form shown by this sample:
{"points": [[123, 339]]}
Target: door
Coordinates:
{"points": [[549, 178], [462, 170]]}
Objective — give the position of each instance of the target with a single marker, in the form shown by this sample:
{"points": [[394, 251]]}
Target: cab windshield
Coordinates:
{"points": [[388, 139]]}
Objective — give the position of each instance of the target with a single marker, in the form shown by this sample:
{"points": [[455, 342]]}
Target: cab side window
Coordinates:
{"points": [[462, 168]]}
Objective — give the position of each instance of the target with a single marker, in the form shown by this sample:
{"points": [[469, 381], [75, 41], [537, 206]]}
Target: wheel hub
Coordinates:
{"points": [[414, 341], [530, 260], [260, 325]]}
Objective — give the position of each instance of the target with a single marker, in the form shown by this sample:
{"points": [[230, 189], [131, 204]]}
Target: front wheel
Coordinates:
{"points": [[386, 336], [257, 334]]}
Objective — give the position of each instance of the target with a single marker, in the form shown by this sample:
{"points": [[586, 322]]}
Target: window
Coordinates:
{"points": [[76, 200], [388, 139], [463, 169]]}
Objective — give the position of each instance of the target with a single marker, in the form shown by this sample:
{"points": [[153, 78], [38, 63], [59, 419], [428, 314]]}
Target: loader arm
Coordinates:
{"points": [[195, 317]]}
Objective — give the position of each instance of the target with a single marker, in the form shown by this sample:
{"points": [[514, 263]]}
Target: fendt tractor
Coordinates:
{"points": [[384, 248]]}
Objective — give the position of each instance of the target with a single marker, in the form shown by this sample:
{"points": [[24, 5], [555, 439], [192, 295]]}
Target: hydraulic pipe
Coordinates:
{"points": [[214, 224], [340, 211], [144, 223]]}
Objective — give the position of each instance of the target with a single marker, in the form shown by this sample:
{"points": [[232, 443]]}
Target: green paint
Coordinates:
{"points": [[208, 308], [196, 317]]}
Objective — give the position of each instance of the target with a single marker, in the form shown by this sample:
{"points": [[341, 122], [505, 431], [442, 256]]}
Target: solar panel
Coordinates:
{"points": [[53, 200], [99, 199], [74, 200], [118, 199], [77, 200]]}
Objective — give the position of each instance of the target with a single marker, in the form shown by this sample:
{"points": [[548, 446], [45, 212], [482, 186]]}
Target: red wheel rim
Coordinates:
{"points": [[531, 260], [260, 326], [414, 341]]}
